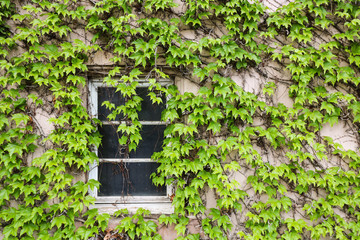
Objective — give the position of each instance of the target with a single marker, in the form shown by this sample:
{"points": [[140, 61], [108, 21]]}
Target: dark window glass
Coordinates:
{"points": [[149, 111], [108, 94], [128, 179], [110, 147], [152, 139]]}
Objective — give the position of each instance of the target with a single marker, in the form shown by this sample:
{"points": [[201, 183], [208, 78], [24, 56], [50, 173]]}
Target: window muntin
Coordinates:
{"points": [[127, 186]]}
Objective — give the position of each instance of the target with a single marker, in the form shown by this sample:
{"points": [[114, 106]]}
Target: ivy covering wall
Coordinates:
{"points": [[300, 184]]}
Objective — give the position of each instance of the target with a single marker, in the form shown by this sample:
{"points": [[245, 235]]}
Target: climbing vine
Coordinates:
{"points": [[268, 164]]}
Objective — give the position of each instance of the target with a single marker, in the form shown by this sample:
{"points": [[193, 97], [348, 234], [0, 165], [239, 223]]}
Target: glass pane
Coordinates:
{"points": [[128, 179], [152, 139], [149, 111], [108, 94], [110, 147]]}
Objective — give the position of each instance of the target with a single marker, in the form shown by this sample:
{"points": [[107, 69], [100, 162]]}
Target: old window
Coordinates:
{"points": [[125, 175]]}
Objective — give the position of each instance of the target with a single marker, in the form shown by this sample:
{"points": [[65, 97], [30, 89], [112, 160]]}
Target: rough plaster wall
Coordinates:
{"points": [[341, 133], [275, 4]]}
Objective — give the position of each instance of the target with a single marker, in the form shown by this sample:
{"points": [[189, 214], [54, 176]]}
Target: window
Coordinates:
{"points": [[125, 175]]}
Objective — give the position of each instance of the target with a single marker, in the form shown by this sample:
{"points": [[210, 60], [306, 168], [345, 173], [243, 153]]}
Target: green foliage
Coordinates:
{"points": [[212, 136], [136, 227], [6, 10]]}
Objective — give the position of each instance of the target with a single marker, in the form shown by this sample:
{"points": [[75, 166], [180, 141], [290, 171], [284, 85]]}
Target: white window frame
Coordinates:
{"points": [[156, 204]]}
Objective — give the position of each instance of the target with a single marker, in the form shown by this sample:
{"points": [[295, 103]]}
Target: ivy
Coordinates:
{"points": [[280, 178]]}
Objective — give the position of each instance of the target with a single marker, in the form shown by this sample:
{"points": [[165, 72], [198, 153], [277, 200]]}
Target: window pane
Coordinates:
{"points": [[128, 179], [152, 139], [110, 147], [108, 94], [149, 111]]}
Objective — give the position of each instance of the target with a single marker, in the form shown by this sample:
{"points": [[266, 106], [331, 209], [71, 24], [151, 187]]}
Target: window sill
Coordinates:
{"points": [[153, 207]]}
